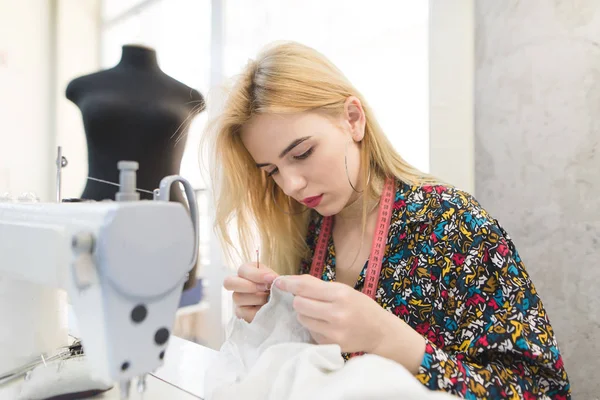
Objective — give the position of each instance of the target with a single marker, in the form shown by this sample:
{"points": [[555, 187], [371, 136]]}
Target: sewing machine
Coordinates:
{"points": [[122, 263]]}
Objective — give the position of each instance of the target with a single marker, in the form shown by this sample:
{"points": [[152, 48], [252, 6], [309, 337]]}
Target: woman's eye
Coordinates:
{"points": [[305, 154], [302, 156]]}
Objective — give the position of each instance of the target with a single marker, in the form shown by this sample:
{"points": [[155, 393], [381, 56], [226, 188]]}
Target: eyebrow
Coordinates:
{"points": [[287, 149]]}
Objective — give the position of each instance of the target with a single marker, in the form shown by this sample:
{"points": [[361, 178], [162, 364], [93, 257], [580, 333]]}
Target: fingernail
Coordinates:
{"points": [[280, 284], [262, 287], [269, 278]]}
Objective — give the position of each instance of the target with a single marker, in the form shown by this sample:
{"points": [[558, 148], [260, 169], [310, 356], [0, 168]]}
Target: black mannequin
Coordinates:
{"points": [[134, 112]]}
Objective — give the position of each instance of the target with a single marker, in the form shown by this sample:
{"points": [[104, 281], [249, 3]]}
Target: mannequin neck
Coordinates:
{"points": [[138, 57]]}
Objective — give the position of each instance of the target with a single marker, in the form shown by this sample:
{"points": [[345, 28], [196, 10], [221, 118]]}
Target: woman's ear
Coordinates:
{"points": [[355, 118]]}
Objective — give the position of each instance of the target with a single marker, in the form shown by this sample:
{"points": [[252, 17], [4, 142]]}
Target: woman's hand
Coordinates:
{"points": [[250, 289], [336, 313]]}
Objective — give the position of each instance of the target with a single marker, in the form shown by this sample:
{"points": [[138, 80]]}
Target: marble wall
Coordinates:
{"points": [[537, 157]]}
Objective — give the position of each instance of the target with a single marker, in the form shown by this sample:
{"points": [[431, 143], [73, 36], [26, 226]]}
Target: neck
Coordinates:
{"points": [[354, 210], [139, 57]]}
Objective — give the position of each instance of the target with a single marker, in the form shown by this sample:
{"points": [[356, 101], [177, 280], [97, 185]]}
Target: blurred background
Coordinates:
{"points": [[500, 98]]}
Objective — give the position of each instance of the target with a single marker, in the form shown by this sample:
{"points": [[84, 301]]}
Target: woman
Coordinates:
{"points": [[381, 258]]}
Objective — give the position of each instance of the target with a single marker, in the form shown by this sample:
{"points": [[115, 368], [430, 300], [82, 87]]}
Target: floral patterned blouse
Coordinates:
{"points": [[453, 274]]}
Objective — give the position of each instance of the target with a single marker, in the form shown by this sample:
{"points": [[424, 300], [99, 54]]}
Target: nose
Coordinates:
{"points": [[292, 183]]}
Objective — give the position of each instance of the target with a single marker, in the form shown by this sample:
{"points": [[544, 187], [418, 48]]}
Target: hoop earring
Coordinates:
{"points": [[281, 209], [348, 175]]}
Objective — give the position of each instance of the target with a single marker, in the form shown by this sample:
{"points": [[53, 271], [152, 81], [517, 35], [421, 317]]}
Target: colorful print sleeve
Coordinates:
{"points": [[505, 347]]}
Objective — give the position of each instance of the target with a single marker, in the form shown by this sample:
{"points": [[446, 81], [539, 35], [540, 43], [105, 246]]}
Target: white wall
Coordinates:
{"points": [[25, 97], [37, 59], [78, 53], [451, 60]]}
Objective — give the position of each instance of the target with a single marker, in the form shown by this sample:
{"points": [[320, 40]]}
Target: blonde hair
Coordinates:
{"points": [[286, 77]]}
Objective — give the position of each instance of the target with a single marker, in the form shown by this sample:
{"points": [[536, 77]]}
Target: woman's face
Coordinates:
{"points": [[304, 154]]}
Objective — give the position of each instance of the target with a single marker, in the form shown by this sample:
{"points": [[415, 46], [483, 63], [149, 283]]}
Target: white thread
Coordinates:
{"points": [[116, 184]]}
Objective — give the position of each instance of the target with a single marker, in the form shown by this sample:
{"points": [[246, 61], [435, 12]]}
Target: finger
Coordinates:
{"points": [[315, 326], [237, 284], [250, 299], [247, 313], [313, 308], [308, 286], [321, 339], [262, 274]]}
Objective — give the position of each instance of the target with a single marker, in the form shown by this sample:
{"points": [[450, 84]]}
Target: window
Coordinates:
{"points": [[380, 45]]}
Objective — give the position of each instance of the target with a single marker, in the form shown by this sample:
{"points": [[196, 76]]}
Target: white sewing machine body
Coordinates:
{"points": [[138, 256], [122, 263]]}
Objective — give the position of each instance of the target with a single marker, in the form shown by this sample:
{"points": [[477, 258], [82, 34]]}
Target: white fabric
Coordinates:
{"points": [[60, 377], [275, 358]]}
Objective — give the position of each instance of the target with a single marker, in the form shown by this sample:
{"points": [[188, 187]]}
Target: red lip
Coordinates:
{"points": [[312, 202]]}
